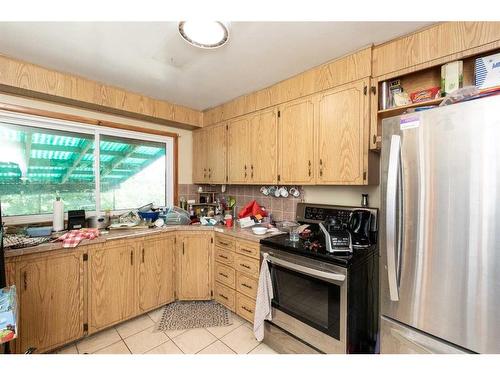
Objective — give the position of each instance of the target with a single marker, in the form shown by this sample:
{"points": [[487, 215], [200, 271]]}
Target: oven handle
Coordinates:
{"points": [[306, 270]]}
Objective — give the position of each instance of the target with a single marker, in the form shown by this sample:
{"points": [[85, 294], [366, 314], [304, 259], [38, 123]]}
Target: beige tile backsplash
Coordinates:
{"points": [[280, 208]]}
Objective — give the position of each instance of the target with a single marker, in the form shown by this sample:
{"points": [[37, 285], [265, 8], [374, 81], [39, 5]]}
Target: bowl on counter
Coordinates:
{"points": [[149, 215], [259, 230]]}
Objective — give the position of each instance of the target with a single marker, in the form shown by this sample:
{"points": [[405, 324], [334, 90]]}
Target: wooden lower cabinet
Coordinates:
{"points": [[194, 266], [247, 285], [69, 293], [51, 300], [225, 295], [245, 307], [111, 284], [236, 275], [156, 272]]}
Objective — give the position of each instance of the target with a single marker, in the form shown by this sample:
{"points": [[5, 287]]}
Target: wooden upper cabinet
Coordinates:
{"points": [[296, 142], [156, 272], [343, 116], [216, 152], [199, 157], [264, 150], [51, 299], [194, 267], [433, 43], [112, 284], [239, 150]]}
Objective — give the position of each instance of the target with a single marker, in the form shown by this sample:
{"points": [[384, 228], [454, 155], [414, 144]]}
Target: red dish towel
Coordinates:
{"points": [[74, 237]]}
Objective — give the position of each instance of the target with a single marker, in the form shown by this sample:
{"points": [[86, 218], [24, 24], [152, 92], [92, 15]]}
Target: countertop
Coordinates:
{"points": [[116, 234]]}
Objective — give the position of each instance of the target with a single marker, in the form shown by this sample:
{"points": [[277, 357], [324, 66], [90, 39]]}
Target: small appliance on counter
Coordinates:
{"points": [[76, 219], [100, 222]]}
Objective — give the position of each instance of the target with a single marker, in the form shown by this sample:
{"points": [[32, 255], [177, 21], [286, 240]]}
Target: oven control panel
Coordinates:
{"points": [[323, 214]]}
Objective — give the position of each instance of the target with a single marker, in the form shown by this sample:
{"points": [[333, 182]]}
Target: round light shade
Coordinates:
{"points": [[204, 34]]}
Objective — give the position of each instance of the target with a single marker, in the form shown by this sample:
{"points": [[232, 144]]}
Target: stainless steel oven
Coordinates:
{"points": [[310, 299]]}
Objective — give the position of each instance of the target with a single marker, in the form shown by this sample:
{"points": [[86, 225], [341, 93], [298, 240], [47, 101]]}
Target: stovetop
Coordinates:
{"points": [[313, 244], [314, 247]]}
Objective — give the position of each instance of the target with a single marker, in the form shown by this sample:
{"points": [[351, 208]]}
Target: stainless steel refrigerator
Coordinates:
{"points": [[440, 230]]}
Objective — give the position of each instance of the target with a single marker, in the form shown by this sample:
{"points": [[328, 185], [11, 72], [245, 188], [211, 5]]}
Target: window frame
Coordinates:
{"points": [[96, 128]]}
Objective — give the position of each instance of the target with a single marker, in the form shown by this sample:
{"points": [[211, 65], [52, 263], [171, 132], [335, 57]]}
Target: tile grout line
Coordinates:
{"points": [[216, 339]]}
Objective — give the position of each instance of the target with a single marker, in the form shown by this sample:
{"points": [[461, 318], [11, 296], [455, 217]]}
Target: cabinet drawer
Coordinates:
{"points": [[248, 248], [225, 296], [224, 256], [226, 242], [245, 307], [246, 285], [225, 275], [246, 265]]}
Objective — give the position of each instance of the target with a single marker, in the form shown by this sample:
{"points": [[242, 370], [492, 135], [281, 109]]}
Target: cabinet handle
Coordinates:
{"points": [[223, 296], [244, 265], [142, 255], [222, 256], [320, 167], [183, 248], [246, 286], [309, 164], [131, 258], [25, 280], [223, 275], [247, 309]]}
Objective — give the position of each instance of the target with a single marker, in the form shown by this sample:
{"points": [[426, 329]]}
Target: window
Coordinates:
{"points": [[132, 173], [41, 158]]}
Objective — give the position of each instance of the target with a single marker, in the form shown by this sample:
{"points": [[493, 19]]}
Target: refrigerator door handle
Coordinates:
{"points": [[391, 199]]}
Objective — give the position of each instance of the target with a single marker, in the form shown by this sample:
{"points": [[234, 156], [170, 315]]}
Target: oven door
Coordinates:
{"points": [[309, 299]]}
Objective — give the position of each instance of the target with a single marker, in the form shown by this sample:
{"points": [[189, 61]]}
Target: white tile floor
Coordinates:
{"points": [[138, 336]]}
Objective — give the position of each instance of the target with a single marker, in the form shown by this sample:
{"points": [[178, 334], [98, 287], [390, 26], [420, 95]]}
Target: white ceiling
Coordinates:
{"points": [[151, 58]]}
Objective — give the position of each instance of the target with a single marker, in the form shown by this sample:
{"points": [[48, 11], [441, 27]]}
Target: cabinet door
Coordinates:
{"points": [[200, 174], [239, 150], [50, 292], [194, 280], [216, 154], [296, 141], [342, 134], [156, 272], [112, 293], [264, 150]]}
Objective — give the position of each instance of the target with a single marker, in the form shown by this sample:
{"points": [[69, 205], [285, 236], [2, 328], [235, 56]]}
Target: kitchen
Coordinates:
{"points": [[295, 212]]}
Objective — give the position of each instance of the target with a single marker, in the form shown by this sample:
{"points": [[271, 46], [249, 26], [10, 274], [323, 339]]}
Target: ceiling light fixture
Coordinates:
{"points": [[204, 34]]}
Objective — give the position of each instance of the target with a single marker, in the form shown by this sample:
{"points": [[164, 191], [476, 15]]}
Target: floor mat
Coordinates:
{"points": [[193, 314]]}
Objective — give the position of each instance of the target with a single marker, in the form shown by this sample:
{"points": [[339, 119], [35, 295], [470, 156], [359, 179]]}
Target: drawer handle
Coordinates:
{"points": [[246, 286], [224, 243], [244, 265], [223, 275], [247, 309], [246, 250], [223, 296], [222, 256]]}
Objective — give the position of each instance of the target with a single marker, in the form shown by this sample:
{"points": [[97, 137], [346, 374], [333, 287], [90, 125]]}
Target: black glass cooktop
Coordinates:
{"points": [[314, 247]]}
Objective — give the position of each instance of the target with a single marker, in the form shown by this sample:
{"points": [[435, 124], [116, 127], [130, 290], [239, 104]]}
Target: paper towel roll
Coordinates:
{"points": [[58, 220]]}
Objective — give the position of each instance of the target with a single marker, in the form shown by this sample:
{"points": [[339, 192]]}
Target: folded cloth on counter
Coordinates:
{"points": [[74, 237], [263, 302]]}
